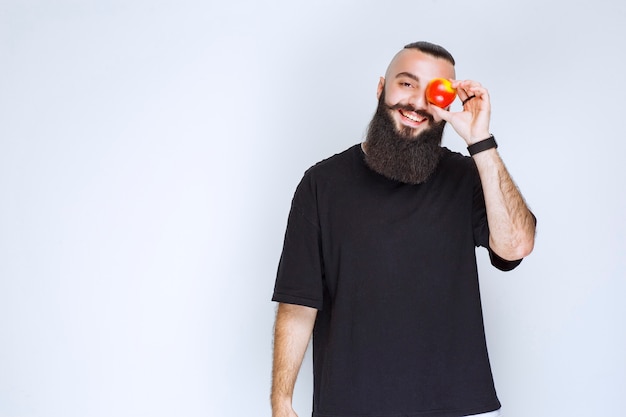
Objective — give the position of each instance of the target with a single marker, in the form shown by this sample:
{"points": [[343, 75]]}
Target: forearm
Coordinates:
{"points": [[292, 332], [511, 225]]}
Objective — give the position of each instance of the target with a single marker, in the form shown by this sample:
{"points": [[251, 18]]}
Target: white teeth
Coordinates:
{"points": [[410, 116]]}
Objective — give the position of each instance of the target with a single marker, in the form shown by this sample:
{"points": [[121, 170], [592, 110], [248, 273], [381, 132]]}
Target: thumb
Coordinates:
{"points": [[439, 113]]}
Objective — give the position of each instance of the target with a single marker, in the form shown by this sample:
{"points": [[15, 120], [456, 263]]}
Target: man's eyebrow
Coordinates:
{"points": [[407, 74]]}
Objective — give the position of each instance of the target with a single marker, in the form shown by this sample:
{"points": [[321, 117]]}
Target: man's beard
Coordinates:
{"points": [[402, 155]]}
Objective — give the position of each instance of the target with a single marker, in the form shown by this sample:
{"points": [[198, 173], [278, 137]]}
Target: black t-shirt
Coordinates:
{"points": [[391, 267]]}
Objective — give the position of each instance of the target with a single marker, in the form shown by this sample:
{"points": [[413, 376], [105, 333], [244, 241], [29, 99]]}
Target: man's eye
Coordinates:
{"points": [[405, 84]]}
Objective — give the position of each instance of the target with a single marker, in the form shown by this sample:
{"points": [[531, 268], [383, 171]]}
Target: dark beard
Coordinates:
{"points": [[401, 155]]}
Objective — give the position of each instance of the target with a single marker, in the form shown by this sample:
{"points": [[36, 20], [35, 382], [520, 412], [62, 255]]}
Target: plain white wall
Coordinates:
{"points": [[149, 151]]}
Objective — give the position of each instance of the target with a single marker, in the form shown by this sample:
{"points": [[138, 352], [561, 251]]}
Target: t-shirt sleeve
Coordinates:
{"points": [[481, 228], [299, 279]]}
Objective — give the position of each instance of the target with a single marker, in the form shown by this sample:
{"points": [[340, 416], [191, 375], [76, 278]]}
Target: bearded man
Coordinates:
{"points": [[379, 259]]}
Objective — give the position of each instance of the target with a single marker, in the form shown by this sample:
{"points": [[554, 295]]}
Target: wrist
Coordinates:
{"points": [[281, 402], [285, 410], [477, 137], [482, 145]]}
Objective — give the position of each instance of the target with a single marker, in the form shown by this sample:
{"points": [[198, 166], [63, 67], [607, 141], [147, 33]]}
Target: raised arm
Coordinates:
{"points": [[511, 225], [292, 332]]}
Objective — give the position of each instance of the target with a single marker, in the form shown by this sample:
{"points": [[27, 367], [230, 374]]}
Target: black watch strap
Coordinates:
{"points": [[482, 145]]}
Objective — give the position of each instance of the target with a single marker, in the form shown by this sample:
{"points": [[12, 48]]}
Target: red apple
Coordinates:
{"points": [[439, 92]]}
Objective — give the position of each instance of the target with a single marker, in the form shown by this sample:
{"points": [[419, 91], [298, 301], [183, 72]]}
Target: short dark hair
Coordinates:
{"points": [[432, 49]]}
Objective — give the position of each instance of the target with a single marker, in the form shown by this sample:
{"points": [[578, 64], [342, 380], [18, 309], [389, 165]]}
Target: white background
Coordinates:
{"points": [[149, 151]]}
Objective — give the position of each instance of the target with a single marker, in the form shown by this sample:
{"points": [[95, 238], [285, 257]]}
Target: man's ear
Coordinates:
{"points": [[381, 86]]}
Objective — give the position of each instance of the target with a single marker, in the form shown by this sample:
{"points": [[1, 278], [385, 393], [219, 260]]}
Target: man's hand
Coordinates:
{"points": [[472, 123]]}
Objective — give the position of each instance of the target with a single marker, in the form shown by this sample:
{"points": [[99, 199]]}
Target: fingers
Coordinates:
{"points": [[474, 99], [439, 113], [467, 99], [462, 90], [468, 90]]}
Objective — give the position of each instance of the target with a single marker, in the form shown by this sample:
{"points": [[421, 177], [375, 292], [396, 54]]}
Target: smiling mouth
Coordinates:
{"points": [[412, 116]]}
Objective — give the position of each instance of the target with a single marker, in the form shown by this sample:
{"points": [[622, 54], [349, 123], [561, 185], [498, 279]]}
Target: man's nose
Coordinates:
{"points": [[418, 100]]}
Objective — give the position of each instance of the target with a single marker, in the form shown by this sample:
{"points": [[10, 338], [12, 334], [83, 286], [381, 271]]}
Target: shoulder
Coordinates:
{"points": [[337, 161], [324, 178], [332, 174], [336, 166]]}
